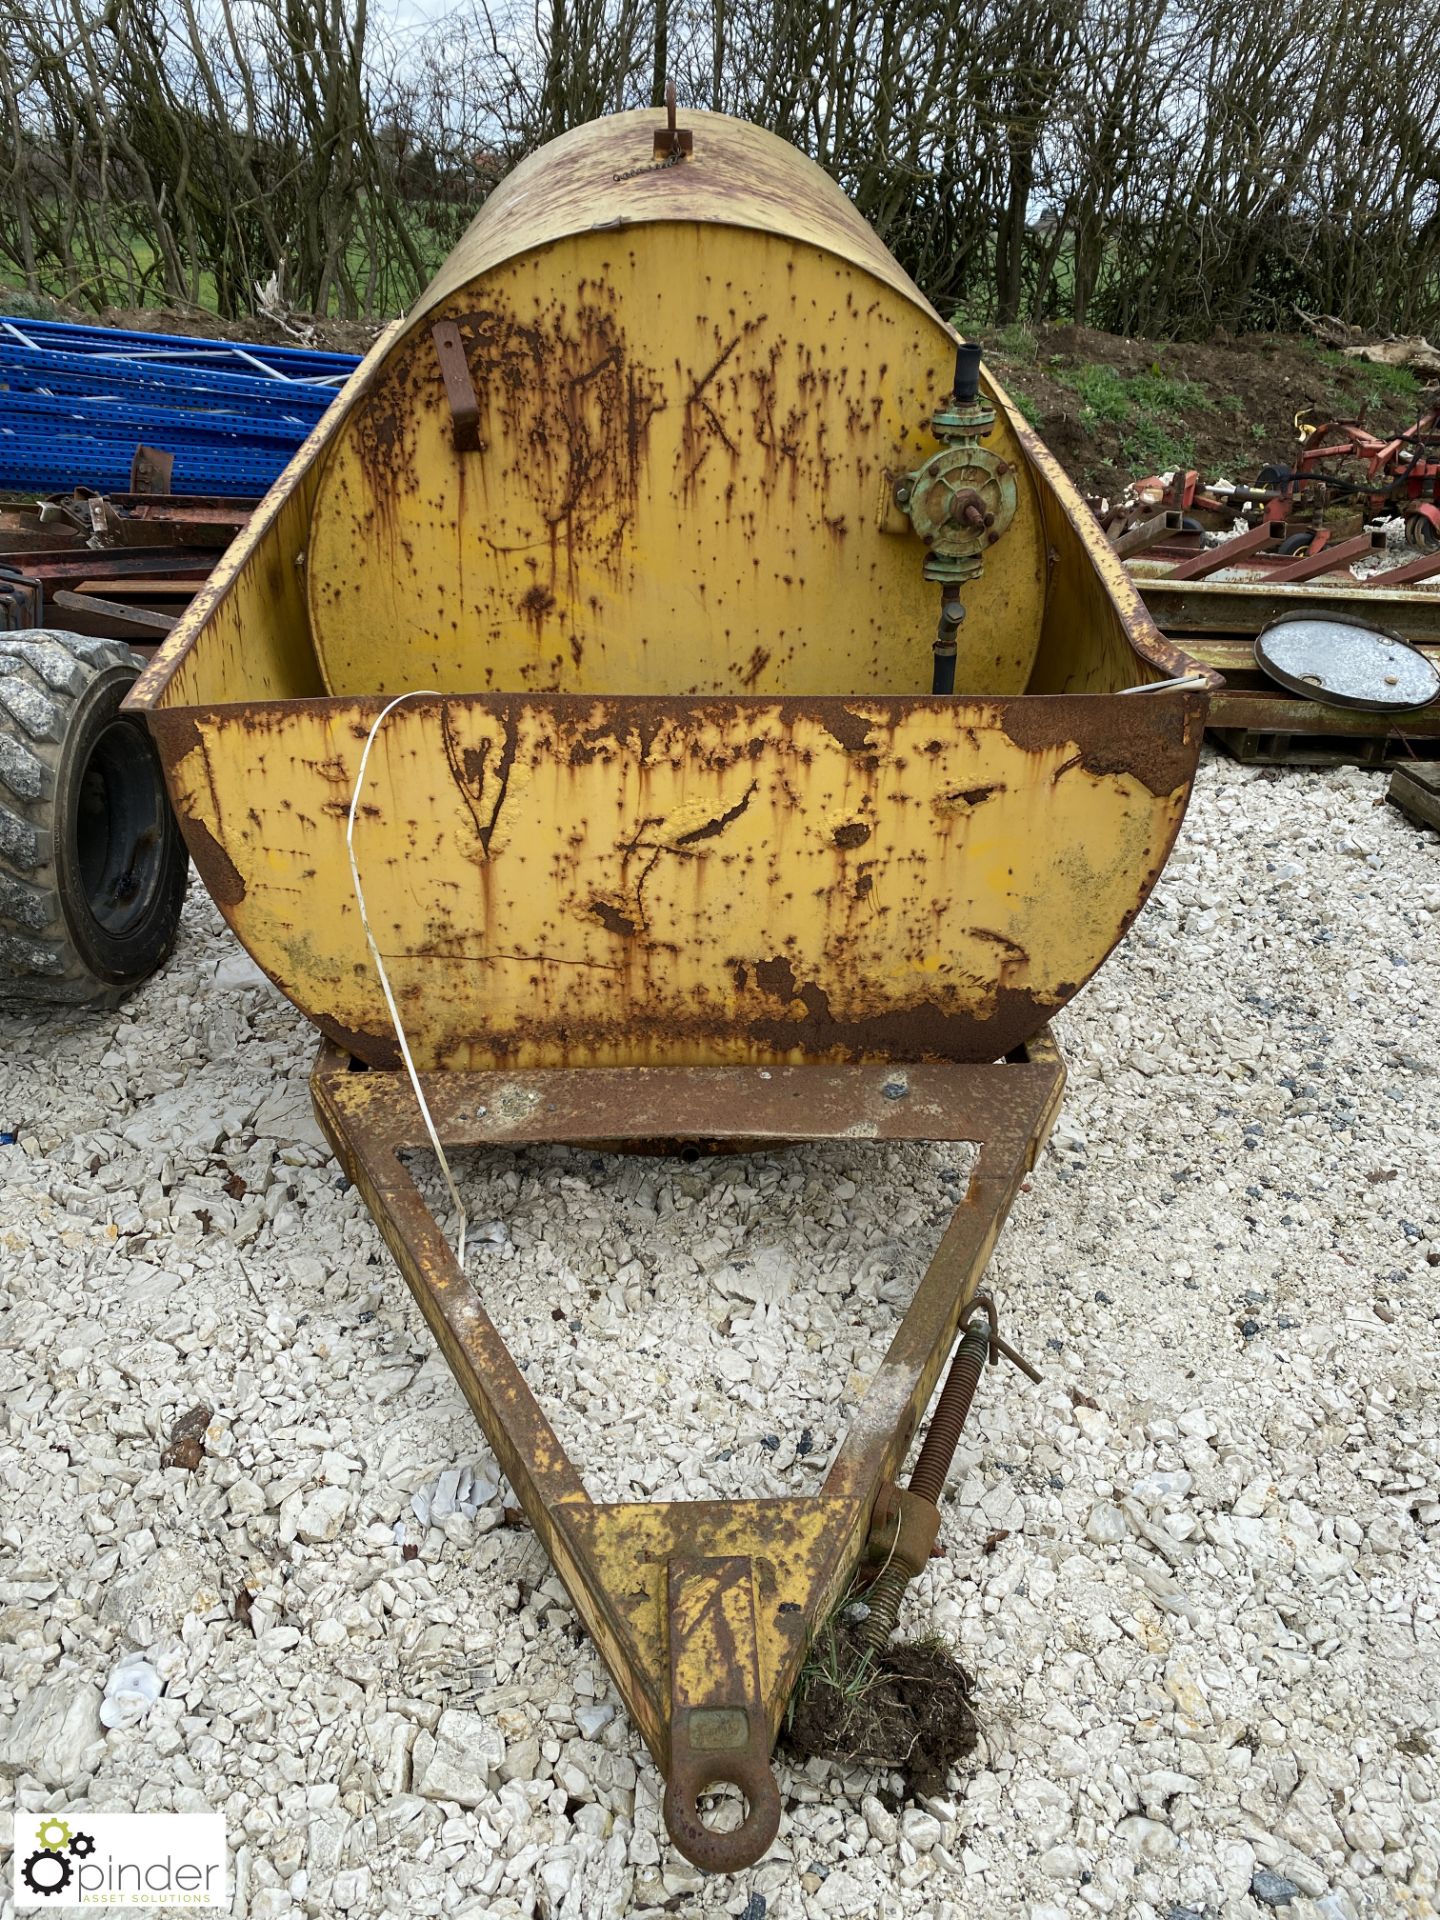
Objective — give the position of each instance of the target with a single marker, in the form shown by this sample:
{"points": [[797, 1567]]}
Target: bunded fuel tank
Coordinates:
{"points": [[772, 695]]}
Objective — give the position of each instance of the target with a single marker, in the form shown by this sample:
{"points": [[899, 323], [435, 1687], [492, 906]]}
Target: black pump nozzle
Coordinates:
{"points": [[967, 371]]}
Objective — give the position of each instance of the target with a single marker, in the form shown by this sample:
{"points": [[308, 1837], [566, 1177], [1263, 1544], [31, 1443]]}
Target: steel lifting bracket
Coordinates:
{"points": [[703, 1610], [459, 387], [671, 142]]}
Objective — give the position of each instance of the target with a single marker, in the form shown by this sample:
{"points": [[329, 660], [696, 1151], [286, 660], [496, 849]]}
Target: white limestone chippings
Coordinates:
{"points": [[1205, 1628]]}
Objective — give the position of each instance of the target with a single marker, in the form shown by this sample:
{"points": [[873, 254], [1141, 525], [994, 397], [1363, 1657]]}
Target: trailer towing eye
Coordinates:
{"points": [[905, 1522], [718, 1734]]}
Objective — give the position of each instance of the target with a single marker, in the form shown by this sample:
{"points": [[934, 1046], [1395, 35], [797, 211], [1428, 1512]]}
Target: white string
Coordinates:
{"points": [[423, 693], [1175, 685]]}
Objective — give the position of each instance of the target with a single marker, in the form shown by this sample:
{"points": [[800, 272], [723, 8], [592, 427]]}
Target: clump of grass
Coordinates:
{"points": [[931, 1641], [1380, 384], [907, 1706], [1102, 392], [1147, 407], [1160, 393], [833, 1668], [1018, 343], [1027, 407], [1389, 383], [1153, 446]]}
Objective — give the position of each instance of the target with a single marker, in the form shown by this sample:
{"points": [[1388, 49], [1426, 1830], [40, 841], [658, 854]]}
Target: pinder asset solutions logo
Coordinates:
{"points": [[90, 1859]]}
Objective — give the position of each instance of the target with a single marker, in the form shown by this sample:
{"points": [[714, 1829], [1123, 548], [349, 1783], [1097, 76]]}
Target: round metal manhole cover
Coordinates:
{"points": [[1346, 663]]}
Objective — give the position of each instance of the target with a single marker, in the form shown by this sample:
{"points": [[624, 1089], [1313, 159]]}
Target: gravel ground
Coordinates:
{"points": [[1205, 1636]]}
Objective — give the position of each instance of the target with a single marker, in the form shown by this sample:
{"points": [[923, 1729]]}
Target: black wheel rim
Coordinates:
{"points": [[120, 829]]}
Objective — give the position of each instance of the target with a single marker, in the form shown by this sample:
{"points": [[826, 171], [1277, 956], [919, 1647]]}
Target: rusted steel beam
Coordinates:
{"points": [[22, 533], [1424, 566], [141, 587], [1256, 711], [138, 533], [89, 613], [57, 565], [220, 509], [1187, 609], [701, 1609], [1148, 534], [1326, 558], [1201, 565], [1232, 655], [1263, 565]]}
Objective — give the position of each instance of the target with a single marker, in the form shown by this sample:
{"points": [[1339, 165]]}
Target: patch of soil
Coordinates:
{"points": [[326, 335], [195, 323], [908, 1709], [1251, 387]]}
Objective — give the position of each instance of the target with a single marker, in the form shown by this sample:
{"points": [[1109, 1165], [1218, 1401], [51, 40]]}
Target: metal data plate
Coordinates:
{"points": [[1346, 663]]}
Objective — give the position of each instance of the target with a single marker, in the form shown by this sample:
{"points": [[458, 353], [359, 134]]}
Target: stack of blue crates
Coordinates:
{"points": [[76, 402]]}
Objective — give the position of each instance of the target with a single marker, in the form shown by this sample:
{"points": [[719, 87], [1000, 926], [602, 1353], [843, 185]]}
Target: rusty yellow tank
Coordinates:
{"points": [[655, 505]]}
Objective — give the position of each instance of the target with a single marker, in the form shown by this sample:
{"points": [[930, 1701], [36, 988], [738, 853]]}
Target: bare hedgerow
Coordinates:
{"points": [[1170, 168]]}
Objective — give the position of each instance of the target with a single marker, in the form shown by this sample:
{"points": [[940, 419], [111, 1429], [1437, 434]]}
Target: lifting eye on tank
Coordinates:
{"points": [[959, 501]]}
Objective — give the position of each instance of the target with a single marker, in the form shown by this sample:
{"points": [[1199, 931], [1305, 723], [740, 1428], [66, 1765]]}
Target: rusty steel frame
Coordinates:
{"points": [[1423, 567], [1327, 556], [1410, 483], [702, 1610], [1269, 533], [1147, 533], [1186, 611], [1261, 723]]}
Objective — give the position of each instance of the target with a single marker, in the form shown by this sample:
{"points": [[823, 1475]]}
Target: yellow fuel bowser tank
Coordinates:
{"points": [[759, 741]]}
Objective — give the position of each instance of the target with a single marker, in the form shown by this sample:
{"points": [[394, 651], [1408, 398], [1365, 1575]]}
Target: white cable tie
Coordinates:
{"points": [[423, 693]]}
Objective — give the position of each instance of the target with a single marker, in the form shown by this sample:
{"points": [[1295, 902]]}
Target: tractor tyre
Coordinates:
{"points": [[92, 865]]}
